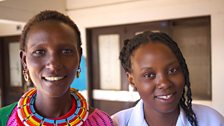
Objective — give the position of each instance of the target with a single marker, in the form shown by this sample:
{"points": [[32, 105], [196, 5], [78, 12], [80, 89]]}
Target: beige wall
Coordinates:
{"points": [[17, 12], [8, 29], [22, 10], [95, 13]]}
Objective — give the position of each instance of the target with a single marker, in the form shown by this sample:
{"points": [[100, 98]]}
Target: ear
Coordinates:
{"points": [[22, 54], [131, 79]]}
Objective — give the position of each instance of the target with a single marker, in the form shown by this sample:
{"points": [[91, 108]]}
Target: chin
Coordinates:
{"points": [[167, 109]]}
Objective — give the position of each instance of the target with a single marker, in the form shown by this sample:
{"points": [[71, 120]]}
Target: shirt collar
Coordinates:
{"points": [[137, 117]]}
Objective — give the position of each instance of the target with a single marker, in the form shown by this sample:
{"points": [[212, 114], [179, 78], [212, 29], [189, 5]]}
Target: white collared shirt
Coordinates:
{"points": [[134, 116]]}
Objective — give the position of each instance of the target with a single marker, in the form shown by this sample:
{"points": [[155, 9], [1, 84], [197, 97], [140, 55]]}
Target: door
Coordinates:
{"points": [[11, 75], [102, 56]]}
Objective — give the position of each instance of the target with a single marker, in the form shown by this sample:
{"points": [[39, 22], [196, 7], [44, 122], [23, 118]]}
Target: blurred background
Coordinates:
{"points": [[197, 26]]}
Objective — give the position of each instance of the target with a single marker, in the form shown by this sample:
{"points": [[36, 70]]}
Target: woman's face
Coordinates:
{"points": [[51, 57], [157, 76]]}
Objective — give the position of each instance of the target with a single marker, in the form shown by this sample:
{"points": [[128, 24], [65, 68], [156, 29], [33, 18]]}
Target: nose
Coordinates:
{"points": [[54, 62], [163, 82]]}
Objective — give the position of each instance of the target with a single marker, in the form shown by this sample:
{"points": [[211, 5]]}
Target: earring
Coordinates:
{"points": [[78, 72], [26, 77]]}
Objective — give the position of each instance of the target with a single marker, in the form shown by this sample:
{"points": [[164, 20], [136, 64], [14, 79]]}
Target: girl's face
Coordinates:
{"points": [[157, 76], [51, 57]]}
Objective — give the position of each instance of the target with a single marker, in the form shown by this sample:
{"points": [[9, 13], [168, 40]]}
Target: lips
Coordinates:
{"points": [[165, 97], [54, 78]]}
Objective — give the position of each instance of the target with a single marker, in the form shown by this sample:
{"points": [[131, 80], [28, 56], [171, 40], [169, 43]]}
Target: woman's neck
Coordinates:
{"points": [[51, 107], [155, 118]]}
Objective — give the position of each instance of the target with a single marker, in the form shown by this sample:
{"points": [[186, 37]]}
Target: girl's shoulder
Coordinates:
{"points": [[122, 117], [202, 110], [133, 116], [206, 114]]}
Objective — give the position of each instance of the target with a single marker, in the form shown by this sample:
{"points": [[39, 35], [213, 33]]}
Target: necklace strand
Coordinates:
{"points": [[28, 116]]}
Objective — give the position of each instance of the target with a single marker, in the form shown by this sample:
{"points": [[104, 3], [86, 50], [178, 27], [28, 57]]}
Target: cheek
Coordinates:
{"points": [[33, 61], [71, 65], [32, 72], [34, 66], [179, 82], [71, 60], [146, 93], [145, 87], [75, 63]]}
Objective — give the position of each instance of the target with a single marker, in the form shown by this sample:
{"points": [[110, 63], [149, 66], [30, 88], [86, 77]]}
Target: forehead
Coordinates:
{"points": [[51, 30], [156, 53], [52, 26]]}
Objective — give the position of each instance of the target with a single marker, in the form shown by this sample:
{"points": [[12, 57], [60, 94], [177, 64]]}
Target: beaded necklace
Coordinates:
{"points": [[29, 117]]}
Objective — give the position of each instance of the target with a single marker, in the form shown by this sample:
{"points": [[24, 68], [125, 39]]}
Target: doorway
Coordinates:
{"points": [[11, 82]]}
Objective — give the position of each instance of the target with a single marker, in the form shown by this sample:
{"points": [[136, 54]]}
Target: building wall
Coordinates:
{"points": [[8, 29], [14, 13], [22, 10], [95, 13]]}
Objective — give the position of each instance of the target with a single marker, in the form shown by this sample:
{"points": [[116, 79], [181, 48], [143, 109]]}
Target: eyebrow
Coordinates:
{"points": [[169, 64], [173, 62], [146, 68]]}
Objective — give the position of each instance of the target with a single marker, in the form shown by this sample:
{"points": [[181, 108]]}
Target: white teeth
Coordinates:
{"points": [[53, 78], [165, 96]]}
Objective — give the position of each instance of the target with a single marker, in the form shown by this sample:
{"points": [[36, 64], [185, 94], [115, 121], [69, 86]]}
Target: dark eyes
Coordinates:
{"points": [[170, 71], [40, 52], [150, 75], [67, 51]]}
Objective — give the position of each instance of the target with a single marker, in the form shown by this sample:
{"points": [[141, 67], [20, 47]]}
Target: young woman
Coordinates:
{"points": [[50, 54], [157, 69]]}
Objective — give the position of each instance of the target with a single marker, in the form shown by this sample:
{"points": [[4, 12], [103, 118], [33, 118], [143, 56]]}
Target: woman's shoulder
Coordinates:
{"points": [[206, 114], [5, 112], [98, 118], [7, 109]]}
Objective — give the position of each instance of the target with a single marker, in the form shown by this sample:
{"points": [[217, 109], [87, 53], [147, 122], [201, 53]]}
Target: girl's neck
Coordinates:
{"points": [[155, 118]]}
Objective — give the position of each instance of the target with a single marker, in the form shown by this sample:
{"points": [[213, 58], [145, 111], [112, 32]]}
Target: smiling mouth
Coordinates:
{"points": [[53, 78], [165, 97]]}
